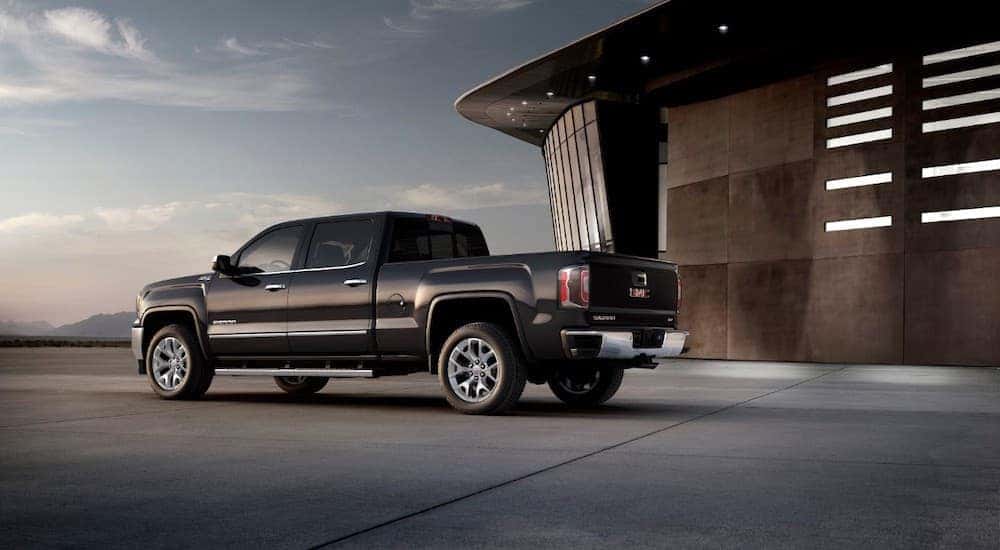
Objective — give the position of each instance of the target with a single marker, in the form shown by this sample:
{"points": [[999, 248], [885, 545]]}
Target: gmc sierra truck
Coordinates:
{"points": [[390, 293]]}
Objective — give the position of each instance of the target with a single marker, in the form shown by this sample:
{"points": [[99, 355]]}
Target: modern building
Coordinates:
{"points": [[826, 174]]}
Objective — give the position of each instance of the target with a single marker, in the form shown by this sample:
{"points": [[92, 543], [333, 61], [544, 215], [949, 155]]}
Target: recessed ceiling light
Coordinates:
{"points": [[550, 94], [645, 59], [524, 102], [592, 78], [723, 29]]}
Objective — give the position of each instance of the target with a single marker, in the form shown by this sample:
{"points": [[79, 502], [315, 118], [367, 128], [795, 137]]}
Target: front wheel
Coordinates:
{"points": [[301, 385], [175, 365], [585, 386], [481, 370]]}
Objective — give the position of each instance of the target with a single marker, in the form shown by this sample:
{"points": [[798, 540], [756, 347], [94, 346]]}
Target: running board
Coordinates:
{"points": [[319, 373]]}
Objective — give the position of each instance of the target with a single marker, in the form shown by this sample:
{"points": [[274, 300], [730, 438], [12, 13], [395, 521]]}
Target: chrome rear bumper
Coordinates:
{"points": [[621, 343]]}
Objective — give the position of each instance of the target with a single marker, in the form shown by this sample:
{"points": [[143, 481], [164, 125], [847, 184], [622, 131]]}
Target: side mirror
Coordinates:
{"points": [[223, 264]]}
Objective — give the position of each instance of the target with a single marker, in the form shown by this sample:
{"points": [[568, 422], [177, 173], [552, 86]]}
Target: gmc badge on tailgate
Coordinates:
{"points": [[639, 287]]}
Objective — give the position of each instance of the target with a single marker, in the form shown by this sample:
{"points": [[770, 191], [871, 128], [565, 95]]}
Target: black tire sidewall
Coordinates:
{"points": [[512, 374], [312, 384], [199, 375], [608, 383]]}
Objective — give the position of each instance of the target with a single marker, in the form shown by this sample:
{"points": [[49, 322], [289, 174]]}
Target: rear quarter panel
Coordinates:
{"points": [[529, 280]]}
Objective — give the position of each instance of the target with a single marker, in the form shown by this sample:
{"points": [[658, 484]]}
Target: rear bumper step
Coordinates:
{"points": [[623, 343], [319, 373]]}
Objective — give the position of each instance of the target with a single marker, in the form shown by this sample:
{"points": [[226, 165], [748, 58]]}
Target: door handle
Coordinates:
{"points": [[274, 287], [355, 282]]}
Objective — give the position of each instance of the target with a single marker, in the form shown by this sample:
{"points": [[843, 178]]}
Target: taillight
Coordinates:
{"points": [[574, 287], [679, 288]]}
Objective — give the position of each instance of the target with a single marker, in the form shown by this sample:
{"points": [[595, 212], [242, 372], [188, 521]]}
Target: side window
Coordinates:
{"points": [[272, 252], [469, 241], [415, 239], [409, 241], [336, 244]]}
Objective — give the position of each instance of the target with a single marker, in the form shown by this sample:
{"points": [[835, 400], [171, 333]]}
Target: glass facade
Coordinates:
{"points": [[575, 170]]}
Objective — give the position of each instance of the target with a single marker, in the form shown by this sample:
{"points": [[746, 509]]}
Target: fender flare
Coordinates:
{"points": [[199, 326], [452, 296]]}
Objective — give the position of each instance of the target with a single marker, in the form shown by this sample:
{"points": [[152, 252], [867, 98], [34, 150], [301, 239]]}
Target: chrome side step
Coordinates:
{"points": [[320, 373]]}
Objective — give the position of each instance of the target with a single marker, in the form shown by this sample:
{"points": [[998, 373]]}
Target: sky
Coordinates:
{"points": [[139, 139]]}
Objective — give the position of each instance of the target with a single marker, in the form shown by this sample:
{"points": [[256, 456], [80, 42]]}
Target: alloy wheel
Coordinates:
{"points": [[473, 370], [170, 363]]}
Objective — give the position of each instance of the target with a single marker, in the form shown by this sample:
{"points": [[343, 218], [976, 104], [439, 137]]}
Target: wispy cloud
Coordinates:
{"points": [[430, 8], [89, 29], [78, 54], [437, 197], [388, 22], [38, 221], [233, 45], [422, 12]]}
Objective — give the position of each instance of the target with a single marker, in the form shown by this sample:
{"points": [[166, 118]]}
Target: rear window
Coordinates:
{"points": [[420, 239]]}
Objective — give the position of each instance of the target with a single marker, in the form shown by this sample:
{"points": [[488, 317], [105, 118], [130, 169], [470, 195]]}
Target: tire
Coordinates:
{"points": [[585, 386], [500, 363], [175, 365], [301, 385]]}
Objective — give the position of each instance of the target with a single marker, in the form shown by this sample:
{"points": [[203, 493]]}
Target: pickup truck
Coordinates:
{"points": [[392, 293]]}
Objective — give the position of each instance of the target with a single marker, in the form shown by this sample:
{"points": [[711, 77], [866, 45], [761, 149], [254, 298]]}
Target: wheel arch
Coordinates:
{"points": [[447, 312], [158, 317]]}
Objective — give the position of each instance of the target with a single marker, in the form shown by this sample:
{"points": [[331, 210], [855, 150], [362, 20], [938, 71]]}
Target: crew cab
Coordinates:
{"points": [[392, 293]]}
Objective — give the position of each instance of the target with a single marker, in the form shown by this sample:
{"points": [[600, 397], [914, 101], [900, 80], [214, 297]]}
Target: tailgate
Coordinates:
{"points": [[621, 282]]}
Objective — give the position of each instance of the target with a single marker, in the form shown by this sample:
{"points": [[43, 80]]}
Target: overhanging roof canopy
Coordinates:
{"points": [[701, 48]]}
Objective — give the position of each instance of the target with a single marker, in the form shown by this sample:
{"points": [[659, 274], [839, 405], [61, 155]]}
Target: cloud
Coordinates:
{"points": [[436, 197], [233, 45], [90, 29], [78, 54], [423, 9], [388, 22], [143, 217], [38, 220]]}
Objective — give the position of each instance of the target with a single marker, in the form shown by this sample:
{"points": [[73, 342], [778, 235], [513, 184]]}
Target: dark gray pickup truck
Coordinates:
{"points": [[390, 293]]}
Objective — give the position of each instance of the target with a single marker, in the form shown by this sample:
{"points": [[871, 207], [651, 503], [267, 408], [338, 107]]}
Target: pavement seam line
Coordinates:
{"points": [[566, 462]]}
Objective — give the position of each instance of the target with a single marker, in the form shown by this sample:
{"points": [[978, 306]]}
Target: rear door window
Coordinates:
{"points": [[340, 243]]}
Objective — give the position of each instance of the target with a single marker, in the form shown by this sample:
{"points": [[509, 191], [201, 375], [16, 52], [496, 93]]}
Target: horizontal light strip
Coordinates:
{"points": [[858, 96], [858, 75], [860, 223], [958, 215], [975, 120], [978, 49], [859, 117], [859, 181], [858, 138], [961, 168], [961, 76], [962, 99]]}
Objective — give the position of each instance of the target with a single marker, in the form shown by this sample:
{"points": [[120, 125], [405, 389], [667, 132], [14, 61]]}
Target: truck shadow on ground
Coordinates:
{"points": [[529, 407]]}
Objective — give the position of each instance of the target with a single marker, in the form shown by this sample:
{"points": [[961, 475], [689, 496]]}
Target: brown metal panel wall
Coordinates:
{"points": [[747, 208]]}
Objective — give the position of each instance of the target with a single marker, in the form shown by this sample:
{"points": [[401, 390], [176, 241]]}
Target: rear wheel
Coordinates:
{"points": [[175, 365], [301, 385], [585, 386], [481, 370]]}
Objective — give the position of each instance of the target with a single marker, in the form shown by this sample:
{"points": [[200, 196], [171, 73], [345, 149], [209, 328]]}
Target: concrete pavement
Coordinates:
{"points": [[696, 453]]}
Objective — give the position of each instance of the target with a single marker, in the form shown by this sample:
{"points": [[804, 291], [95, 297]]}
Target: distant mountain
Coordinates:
{"points": [[32, 328], [102, 325]]}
